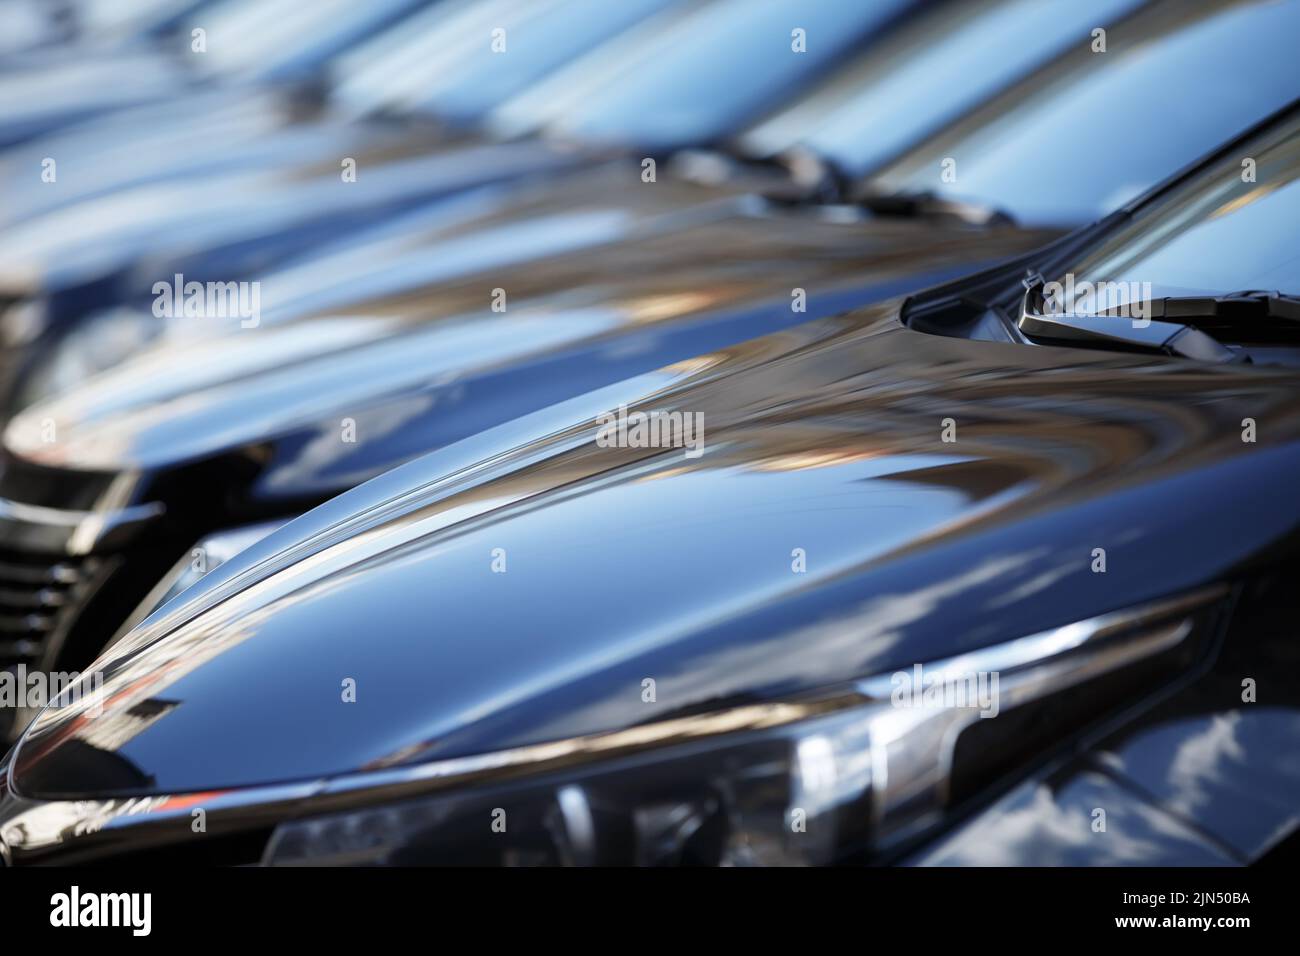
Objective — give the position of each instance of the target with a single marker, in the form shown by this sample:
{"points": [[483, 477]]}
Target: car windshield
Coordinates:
{"points": [[426, 63], [95, 18], [550, 35], [1232, 228], [927, 74], [269, 38], [720, 68], [1093, 130]]}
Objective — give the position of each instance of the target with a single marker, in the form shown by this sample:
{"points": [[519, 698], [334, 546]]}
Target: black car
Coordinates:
{"points": [[119, 491], [998, 573]]}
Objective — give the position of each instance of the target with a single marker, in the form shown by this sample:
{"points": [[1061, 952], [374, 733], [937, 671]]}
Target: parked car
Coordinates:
{"points": [[643, 655], [332, 102], [500, 224], [209, 442], [226, 224], [54, 88]]}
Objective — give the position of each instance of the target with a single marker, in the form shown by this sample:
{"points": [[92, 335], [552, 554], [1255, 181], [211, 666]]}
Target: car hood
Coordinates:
{"points": [[521, 585], [326, 398], [209, 131], [53, 91], [222, 226]]}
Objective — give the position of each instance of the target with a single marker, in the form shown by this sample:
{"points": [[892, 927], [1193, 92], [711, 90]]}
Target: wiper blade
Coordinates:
{"points": [[1248, 305], [927, 204], [796, 175], [1113, 331], [810, 177]]}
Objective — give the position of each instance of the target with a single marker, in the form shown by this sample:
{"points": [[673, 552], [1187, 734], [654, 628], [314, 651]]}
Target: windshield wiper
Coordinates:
{"points": [[793, 176], [1251, 315], [807, 176], [1250, 303], [1114, 329], [927, 204]]}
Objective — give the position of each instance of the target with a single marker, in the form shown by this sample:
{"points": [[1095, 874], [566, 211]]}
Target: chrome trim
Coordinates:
{"points": [[1036, 648], [38, 514], [923, 742], [1035, 665], [75, 532]]}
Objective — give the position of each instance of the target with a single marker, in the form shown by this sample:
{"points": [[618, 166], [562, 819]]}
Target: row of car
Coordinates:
{"points": [[316, 319]]}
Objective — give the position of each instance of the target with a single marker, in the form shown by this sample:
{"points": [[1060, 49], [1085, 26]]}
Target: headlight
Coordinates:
{"points": [[729, 790], [208, 554], [851, 776], [22, 320], [864, 773], [97, 342]]}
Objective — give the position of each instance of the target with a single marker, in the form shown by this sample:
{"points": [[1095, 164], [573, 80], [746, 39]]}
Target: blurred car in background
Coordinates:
{"points": [[223, 226], [45, 30], [241, 41]]}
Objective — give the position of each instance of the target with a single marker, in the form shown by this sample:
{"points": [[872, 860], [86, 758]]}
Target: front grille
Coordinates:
{"points": [[36, 593], [58, 612]]}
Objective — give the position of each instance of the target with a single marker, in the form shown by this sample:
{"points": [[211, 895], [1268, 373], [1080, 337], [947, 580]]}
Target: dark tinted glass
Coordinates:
{"points": [[1097, 129], [947, 65], [1236, 227], [549, 36], [720, 69]]}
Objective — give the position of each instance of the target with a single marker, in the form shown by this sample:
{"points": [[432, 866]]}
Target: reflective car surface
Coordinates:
{"points": [[598, 285], [251, 219], [711, 433], [860, 486]]}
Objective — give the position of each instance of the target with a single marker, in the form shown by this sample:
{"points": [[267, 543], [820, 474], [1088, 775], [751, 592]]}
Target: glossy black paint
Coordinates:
{"points": [[827, 438], [430, 364], [824, 438], [259, 415]]}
